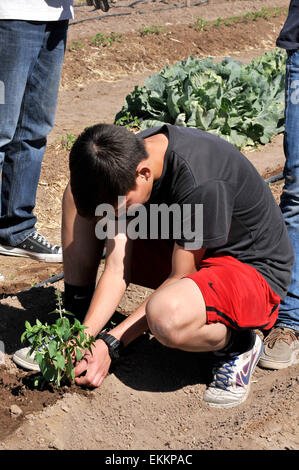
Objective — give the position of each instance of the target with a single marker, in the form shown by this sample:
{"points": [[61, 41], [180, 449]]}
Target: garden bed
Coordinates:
{"points": [[152, 398]]}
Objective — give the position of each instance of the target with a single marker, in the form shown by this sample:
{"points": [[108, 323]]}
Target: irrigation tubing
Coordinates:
{"points": [[102, 17], [274, 178], [51, 280]]}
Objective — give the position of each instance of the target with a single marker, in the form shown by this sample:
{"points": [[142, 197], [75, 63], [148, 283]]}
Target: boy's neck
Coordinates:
{"points": [[156, 146]]}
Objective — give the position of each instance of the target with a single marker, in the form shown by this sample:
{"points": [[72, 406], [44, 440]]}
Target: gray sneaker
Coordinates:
{"points": [[36, 247], [21, 358], [281, 349]]}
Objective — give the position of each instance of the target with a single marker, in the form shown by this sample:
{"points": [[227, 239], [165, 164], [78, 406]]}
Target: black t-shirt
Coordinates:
{"points": [[240, 215], [289, 35]]}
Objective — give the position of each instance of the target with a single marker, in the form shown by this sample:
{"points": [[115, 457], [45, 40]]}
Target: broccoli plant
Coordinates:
{"points": [[58, 346]]}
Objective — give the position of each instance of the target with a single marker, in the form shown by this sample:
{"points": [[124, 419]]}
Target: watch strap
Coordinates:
{"points": [[114, 345]]}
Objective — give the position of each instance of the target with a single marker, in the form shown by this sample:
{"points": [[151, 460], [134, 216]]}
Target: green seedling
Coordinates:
{"points": [[102, 40], [201, 24], [67, 141], [265, 13], [58, 346], [152, 30], [129, 121], [76, 45], [219, 21]]}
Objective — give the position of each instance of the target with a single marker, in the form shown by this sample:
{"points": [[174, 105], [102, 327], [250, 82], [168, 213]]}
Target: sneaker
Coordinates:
{"points": [[232, 373], [36, 247], [281, 349], [21, 358]]}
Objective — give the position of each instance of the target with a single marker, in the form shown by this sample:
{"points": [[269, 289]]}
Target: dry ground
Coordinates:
{"points": [[153, 397]]}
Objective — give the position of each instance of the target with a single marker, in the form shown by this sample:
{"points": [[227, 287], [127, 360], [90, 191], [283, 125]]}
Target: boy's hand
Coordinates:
{"points": [[95, 366]]}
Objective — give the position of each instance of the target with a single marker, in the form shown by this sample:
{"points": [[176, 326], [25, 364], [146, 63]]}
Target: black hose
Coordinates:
{"points": [[102, 17], [273, 179], [98, 18], [51, 280]]}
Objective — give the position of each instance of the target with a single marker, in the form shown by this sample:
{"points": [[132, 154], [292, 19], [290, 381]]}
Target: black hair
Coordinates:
{"points": [[103, 163]]}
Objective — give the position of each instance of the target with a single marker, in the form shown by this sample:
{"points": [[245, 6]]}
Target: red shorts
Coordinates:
{"points": [[235, 293]]}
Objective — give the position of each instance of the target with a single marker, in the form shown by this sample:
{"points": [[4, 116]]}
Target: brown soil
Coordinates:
{"points": [[138, 52], [152, 398]]}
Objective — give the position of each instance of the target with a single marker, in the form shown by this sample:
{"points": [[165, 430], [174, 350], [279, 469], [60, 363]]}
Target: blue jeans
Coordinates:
{"points": [[289, 310], [31, 58]]}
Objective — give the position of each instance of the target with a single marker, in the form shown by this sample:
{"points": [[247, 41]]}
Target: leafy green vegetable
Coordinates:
{"points": [[243, 104], [57, 346]]}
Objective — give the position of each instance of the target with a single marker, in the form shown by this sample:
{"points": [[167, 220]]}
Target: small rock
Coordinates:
{"points": [[15, 410], [56, 444], [65, 408]]}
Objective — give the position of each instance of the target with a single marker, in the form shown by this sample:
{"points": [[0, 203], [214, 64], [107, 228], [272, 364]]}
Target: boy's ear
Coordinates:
{"points": [[144, 171]]}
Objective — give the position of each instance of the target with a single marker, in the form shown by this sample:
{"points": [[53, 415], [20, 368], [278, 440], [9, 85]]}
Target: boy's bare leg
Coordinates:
{"points": [[176, 315], [82, 251]]}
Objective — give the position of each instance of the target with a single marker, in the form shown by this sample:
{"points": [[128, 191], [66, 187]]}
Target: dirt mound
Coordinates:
{"points": [[18, 397]]}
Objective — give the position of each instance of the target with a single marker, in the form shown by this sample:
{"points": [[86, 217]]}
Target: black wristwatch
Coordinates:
{"points": [[114, 345]]}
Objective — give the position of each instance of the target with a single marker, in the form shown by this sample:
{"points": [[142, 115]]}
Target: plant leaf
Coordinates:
{"points": [[240, 103]]}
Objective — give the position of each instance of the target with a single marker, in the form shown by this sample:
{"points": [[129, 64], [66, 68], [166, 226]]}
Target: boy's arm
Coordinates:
{"points": [[183, 262], [106, 298], [111, 286]]}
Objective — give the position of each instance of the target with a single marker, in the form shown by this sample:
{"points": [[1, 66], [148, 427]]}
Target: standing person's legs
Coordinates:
{"points": [[282, 344], [31, 62]]}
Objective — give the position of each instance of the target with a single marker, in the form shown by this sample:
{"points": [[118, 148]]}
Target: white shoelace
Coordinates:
{"points": [[41, 239]]}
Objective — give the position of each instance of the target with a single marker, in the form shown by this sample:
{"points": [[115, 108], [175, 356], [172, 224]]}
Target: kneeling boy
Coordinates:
{"points": [[213, 286]]}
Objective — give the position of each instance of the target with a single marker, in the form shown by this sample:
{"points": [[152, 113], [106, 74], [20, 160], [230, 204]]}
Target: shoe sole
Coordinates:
{"points": [[9, 251], [274, 365], [244, 397], [229, 405], [25, 364]]}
